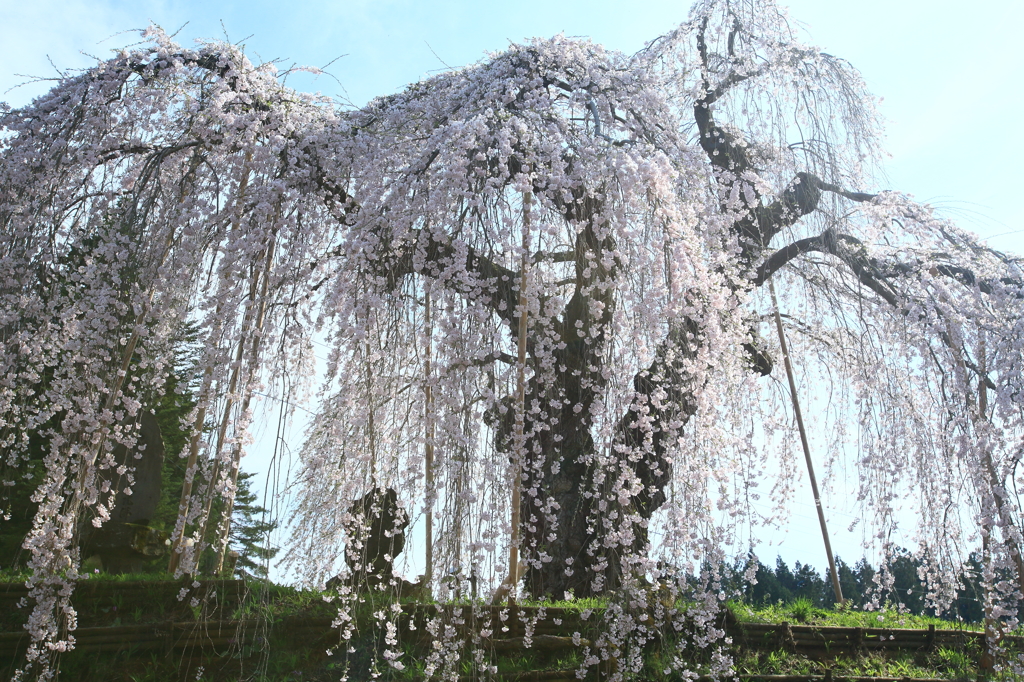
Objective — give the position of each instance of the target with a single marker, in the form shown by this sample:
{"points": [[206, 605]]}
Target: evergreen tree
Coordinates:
{"points": [[785, 577], [769, 588], [808, 584], [847, 583], [175, 402], [910, 591], [250, 531], [968, 605]]}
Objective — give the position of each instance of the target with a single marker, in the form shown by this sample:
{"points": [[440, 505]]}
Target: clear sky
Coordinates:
{"points": [[949, 73]]}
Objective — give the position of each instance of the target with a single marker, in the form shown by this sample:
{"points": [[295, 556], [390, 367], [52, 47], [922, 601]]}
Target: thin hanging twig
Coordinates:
{"points": [[229, 505], [178, 539]]}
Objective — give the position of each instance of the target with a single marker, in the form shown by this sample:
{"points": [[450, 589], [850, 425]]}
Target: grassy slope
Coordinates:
{"points": [[281, 657], [947, 663]]}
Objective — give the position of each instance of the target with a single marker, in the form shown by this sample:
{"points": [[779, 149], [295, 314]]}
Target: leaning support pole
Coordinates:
{"points": [[520, 438], [807, 448]]}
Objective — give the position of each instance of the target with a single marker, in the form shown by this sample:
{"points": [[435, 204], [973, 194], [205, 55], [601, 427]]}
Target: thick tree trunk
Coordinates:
{"points": [[557, 523], [556, 513], [569, 507]]}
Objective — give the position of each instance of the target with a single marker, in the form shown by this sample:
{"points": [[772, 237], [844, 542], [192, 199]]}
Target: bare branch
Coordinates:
{"points": [[496, 286], [554, 256], [777, 260]]}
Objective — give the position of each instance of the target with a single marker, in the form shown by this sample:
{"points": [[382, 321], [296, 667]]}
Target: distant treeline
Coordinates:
{"points": [[908, 592]]}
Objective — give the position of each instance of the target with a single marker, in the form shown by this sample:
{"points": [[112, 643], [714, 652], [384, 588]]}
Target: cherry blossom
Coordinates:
{"points": [[547, 270]]}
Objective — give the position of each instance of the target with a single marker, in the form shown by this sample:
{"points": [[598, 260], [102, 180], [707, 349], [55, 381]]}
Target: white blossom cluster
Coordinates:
{"points": [[633, 208]]}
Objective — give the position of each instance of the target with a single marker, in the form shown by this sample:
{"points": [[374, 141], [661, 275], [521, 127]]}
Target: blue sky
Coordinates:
{"points": [[951, 81]]}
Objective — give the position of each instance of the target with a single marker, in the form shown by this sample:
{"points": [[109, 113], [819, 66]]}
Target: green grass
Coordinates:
{"points": [[869, 665], [9, 575], [571, 604], [20, 575], [285, 658], [944, 662], [803, 612]]}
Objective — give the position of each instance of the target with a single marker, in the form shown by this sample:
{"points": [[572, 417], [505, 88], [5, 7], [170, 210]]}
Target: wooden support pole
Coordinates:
{"points": [[428, 455], [519, 440], [807, 448]]}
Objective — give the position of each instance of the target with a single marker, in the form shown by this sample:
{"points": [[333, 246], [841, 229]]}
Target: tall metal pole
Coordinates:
{"points": [[807, 449]]}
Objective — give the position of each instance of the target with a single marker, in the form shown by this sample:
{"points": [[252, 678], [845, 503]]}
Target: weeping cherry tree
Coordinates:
{"points": [[543, 281]]}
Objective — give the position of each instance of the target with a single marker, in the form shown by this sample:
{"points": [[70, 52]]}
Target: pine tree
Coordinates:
{"points": [[250, 531]]}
